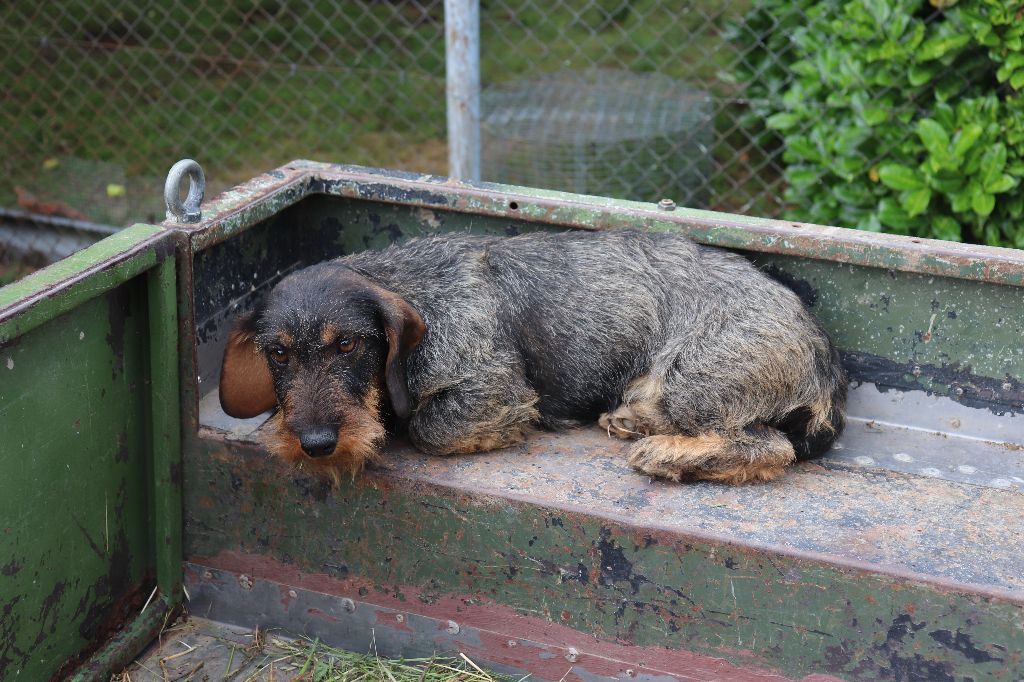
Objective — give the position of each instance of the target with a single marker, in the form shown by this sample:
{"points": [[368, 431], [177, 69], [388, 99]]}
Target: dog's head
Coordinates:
{"points": [[324, 347]]}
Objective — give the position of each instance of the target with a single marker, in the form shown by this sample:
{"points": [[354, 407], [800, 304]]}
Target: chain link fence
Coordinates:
{"points": [[655, 98]]}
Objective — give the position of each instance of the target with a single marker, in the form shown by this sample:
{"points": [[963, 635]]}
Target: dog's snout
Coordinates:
{"points": [[319, 442]]}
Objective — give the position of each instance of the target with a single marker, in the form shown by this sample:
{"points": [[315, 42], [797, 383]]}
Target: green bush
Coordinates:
{"points": [[901, 116]]}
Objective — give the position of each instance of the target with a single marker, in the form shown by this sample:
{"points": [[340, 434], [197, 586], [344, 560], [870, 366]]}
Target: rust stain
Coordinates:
{"points": [[602, 657]]}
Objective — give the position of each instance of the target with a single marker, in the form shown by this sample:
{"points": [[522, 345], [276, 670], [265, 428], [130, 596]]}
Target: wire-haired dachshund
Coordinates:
{"points": [[716, 371]]}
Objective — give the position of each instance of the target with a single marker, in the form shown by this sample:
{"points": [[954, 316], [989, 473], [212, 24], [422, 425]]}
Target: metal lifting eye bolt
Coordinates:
{"points": [[187, 211]]}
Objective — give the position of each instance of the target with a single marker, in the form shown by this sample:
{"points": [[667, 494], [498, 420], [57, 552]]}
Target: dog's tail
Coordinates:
{"points": [[813, 429]]}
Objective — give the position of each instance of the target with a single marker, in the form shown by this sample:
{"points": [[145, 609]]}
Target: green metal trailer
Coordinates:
{"points": [[124, 488]]}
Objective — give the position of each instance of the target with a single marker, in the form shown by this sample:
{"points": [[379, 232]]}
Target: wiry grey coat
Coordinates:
{"points": [[717, 371]]}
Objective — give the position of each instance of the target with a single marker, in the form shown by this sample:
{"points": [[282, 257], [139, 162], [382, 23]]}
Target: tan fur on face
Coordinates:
{"points": [[359, 441], [328, 334], [742, 458]]}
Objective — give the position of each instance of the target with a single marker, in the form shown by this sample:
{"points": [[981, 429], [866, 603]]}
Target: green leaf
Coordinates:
{"points": [[1004, 183], [933, 48], [948, 87], [1017, 80], [966, 138], [900, 177], [853, 193], [782, 121], [992, 236], [915, 202], [1015, 60], [935, 139], [946, 182], [875, 115], [944, 227], [870, 223], [993, 161], [802, 176], [945, 116], [892, 215], [803, 148], [920, 74], [983, 203], [1015, 207], [961, 201], [847, 141], [880, 11]]}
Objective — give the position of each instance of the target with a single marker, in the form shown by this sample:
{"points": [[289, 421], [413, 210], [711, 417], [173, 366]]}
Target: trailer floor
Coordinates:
{"points": [[201, 649], [941, 497]]}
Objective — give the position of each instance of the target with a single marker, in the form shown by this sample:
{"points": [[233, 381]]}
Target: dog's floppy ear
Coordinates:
{"points": [[404, 329], [246, 387]]}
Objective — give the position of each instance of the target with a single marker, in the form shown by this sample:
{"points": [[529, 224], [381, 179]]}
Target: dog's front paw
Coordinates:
{"points": [[622, 423]]}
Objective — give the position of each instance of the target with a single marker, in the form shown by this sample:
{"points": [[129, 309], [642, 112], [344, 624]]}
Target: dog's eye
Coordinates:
{"points": [[279, 355], [346, 345]]}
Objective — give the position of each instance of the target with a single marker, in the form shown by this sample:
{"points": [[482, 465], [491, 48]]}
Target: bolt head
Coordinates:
{"points": [[293, 594], [572, 655], [348, 605], [245, 582], [453, 628], [667, 205]]}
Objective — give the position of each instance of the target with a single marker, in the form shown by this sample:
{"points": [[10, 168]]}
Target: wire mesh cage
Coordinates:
{"points": [[600, 131]]}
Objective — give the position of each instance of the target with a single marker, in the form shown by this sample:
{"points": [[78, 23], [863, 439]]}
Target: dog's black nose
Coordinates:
{"points": [[319, 443]]}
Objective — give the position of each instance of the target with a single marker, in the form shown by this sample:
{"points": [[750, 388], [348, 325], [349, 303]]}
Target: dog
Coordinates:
{"points": [[714, 370]]}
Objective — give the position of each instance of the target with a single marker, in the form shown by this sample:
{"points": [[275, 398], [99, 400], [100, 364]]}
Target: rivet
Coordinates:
{"points": [[667, 205], [571, 655], [293, 594], [453, 628], [400, 618], [958, 391], [207, 575], [916, 371], [348, 605], [245, 582]]}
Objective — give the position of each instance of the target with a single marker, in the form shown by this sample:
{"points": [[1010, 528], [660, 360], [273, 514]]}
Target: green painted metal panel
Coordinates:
{"points": [[86, 401], [949, 336], [165, 427], [58, 288]]}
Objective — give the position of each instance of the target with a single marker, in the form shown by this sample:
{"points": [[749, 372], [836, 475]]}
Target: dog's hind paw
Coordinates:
{"points": [[622, 423], [712, 457]]}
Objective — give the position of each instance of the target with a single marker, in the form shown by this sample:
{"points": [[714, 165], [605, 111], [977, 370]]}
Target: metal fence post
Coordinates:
{"points": [[462, 59]]}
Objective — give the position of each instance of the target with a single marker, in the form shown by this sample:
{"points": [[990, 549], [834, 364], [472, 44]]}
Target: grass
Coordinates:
{"points": [[322, 663], [245, 86], [209, 652]]}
